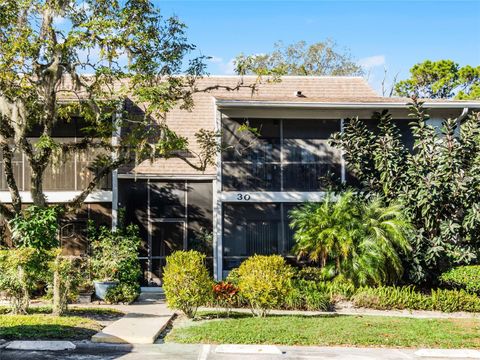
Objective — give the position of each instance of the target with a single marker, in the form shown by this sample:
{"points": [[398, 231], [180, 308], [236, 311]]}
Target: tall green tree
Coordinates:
{"points": [[437, 182], [128, 50], [360, 239], [441, 79], [321, 58], [46, 49]]}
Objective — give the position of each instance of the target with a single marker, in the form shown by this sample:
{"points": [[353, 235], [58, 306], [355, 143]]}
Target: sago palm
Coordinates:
{"points": [[361, 239]]}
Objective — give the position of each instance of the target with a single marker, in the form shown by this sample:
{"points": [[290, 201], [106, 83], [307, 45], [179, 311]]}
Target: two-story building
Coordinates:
{"points": [[239, 207]]}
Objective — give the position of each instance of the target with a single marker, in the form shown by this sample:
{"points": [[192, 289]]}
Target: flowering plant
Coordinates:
{"points": [[225, 295]]}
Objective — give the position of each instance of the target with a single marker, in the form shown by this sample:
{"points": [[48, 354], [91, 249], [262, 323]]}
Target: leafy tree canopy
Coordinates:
{"points": [[441, 80], [437, 182], [64, 59], [321, 58]]}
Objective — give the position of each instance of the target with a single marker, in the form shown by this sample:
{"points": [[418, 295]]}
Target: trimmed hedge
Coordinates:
{"points": [[387, 298], [463, 277], [186, 282], [264, 282]]}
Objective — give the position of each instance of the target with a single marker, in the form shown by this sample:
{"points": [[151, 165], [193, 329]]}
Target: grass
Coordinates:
{"points": [[332, 330], [78, 324]]}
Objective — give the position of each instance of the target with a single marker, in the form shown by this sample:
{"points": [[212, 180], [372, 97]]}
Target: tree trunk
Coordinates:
{"points": [[59, 306]]}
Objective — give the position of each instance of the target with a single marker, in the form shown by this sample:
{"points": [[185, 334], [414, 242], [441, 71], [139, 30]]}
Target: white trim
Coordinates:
{"points": [[217, 206], [340, 105], [343, 165], [271, 196], [116, 133], [60, 196], [166, 177]]}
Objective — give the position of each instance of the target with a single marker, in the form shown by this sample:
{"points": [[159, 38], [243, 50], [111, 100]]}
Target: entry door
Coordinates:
{"points": [[167, 236]]}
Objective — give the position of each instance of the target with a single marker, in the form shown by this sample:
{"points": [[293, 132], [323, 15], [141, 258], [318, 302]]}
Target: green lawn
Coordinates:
{"points": [[333, 330], [78, 324]]}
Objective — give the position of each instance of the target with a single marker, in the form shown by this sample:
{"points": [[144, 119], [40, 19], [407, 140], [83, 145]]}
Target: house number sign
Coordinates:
{"points": [[243, 197]]}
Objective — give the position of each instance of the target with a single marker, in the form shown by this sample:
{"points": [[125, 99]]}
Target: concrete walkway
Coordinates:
{"points": [[145, 319], [364, 312]]}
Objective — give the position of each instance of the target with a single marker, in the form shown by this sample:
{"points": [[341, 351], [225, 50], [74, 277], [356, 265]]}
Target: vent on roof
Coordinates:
{"points": [[299, 94]]}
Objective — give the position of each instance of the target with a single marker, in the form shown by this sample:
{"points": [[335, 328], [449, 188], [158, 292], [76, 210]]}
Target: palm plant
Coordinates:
{"points": [[361, 239]]}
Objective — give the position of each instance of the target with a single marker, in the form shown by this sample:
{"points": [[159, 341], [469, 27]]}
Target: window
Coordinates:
{"points": [[251, 162], [259, 228], [298, 161], [71, 173]]}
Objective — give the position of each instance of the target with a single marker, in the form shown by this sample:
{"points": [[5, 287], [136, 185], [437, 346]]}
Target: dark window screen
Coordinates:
{"points": [[250, 229], [167, 199], [303, 157]]}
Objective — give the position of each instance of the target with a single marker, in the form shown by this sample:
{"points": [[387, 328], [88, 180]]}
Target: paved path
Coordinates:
{"points": [[145, 319], [209, 352], [362, 311]]}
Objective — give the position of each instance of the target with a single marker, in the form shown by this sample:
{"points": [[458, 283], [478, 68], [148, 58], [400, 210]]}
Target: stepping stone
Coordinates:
{"points": [[41, 345], [449, 353], [133, 329]]}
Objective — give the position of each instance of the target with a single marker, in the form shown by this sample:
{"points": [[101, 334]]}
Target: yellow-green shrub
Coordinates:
{"points": [[463, 277], [186, 281], [407, 297], [264, 281]]}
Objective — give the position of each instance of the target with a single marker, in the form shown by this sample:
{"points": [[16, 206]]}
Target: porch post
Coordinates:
{"points": [[217, 206], [115, 141]]}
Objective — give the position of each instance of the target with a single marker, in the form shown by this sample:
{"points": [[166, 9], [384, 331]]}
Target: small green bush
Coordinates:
{"points": [[294, 300], [264, 281], [317, 301], [316, 273], [308, 295], [463, 277], [122, 293], [386, 298], [67, 273], [115, 254], [20, 272], [391, 297], [186, 282], [115, 258], [454, 300]]}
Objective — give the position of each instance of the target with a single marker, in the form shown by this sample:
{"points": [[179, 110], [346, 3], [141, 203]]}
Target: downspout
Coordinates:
{"points": [[463, 115]]}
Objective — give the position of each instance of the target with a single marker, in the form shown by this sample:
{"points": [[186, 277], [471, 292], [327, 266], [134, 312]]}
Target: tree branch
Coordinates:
{"points": [[11, 182]]}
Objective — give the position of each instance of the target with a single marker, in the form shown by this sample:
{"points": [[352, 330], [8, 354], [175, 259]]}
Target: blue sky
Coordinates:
{"points": [[390, 34]]}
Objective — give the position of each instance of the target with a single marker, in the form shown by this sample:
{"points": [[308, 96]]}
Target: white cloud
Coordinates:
{"points": [[227, 68], [215, 59], [372, 61]]}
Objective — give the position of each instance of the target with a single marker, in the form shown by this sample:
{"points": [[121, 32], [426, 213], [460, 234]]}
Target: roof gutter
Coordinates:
{"points": [[340, 105]]}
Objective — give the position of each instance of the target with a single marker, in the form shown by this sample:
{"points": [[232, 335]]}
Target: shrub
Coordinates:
{"points": [[264, 281], [295, 299], [20, 271], [36, 228], [360, 239], [339, 288], [225, 295], [115, 257], [317, 301], [233, 277], [115, 254], [122, 293], [386, 298], [463, 277], [316, 273], [186, 281], [68, 273], [454, 300]]}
